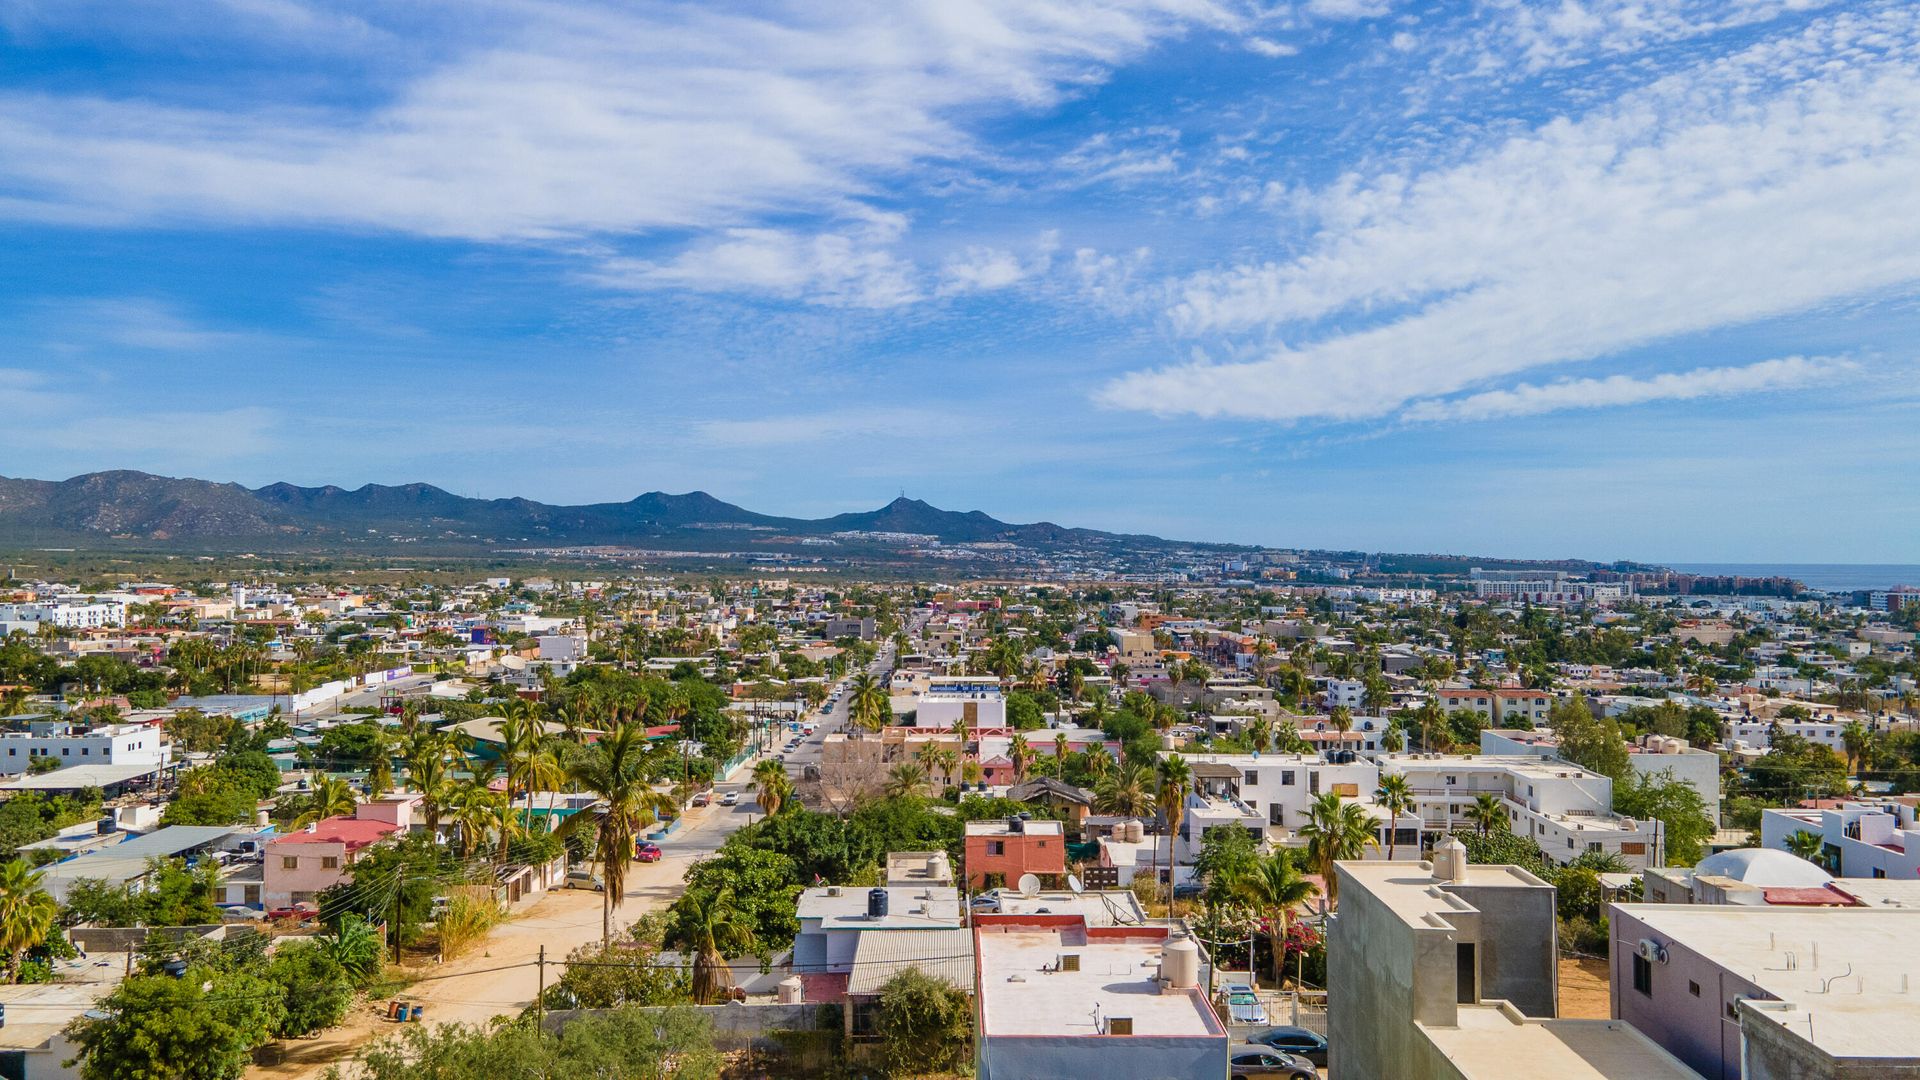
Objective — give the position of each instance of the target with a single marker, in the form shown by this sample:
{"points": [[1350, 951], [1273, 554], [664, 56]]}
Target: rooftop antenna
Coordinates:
{"points": [[1029, 885]]}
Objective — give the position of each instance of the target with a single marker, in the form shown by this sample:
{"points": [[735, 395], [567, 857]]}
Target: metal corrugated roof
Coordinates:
{"points": [[880, 955]]}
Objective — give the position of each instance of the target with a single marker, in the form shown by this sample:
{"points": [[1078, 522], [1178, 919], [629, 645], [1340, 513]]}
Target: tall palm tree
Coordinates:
{"points": [[1176, 776], [1858, 741], [1810, 846], [1335, 831], [1395, 796], [1021, 755], [772, 786], [26, 912], [1275, 887], [711, 927], [332, 797], [1127, 792], [429, 764], [1487, 815], [907, 778], [477, 811], [868, 703], [615, 770], [1099, 762]]}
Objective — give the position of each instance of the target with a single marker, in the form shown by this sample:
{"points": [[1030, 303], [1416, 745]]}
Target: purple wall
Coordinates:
{"points": [[1693, 1028]]}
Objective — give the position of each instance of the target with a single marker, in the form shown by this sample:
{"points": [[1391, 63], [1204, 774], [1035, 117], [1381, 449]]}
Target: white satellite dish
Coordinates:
{"points": [[1073, 882], [1029, 884]]}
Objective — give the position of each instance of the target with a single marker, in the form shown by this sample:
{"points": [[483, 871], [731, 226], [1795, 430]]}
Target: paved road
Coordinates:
{"points": [[499, 978]]}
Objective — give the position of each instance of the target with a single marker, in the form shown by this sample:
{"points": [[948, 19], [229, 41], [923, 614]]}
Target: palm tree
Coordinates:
{"points": [[1276, 886], [353, 945], [1128, 792], [907, 778], [1341, 720], [869, 705], [332, 797], [1810, 846], [615, 770], [1395, 796], [429, 770], [1858, 741], [477, 810], [1099, 762], [1336, 831], [1176, 776], [1260, 730], [1021, 755], [26, 912], [711, 926], [1487, 815], [772, 786]]}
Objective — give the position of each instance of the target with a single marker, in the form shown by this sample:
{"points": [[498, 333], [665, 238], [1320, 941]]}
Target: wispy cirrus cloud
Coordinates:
{"points": [[1528, 399], [1766, 183]]}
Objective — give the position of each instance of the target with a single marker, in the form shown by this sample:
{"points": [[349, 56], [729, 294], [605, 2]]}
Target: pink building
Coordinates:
{"points": [[303, 864]]}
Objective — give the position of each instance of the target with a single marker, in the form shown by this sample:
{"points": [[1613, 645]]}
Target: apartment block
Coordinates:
{"points": [[1878, 838], [1560, 806], [112, 744], [1650, 755], [1502, 707]]}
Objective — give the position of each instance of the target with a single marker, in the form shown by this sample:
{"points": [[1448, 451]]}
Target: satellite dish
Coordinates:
{"points": [[1029, 884], [1073, 882]]}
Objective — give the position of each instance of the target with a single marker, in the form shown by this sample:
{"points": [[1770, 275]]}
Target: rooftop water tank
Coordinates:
{"points": [[1180, 963], [876, 903]]}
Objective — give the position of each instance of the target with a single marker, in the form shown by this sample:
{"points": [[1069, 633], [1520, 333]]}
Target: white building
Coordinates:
{"points": [[1759, 733], [1649, 756], [1865, 839], [1562, 807], [67, 614], [976, 703], [1268, 795], [115, 744], [563, 648]]}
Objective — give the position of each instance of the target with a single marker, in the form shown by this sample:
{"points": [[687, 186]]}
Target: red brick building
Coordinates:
{"points": [[1010, 847]]}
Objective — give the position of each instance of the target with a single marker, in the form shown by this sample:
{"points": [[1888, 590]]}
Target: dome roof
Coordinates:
{"points": [[1764, 868]]}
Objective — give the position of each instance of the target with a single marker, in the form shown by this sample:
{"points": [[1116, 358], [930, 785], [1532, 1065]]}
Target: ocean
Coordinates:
{"points": [[1827, 577]]}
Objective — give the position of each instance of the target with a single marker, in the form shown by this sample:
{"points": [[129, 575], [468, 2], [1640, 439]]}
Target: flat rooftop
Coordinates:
{"points": [[1102, 907], [1490, 1042], [1002, 827], [1410, 890], [909, 907], [1021, 995], [1855, 995], [1522, 764]]}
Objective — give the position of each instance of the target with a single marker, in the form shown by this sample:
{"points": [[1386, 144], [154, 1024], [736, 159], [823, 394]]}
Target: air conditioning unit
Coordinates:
{"points": [[1652, 951]]}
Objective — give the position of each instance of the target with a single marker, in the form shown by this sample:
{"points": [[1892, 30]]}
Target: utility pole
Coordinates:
{"points": [[400, 885], [540, 999]]}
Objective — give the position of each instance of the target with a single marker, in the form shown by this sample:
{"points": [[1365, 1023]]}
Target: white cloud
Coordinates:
{"points": [[986, 269], [1527, 399], [806, 429], [1271, 48], [1550, 35], [589, 118], [851, 268], [1781, 178]]}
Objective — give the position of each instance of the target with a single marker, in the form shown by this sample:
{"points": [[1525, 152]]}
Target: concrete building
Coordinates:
{"points": [[1007, 848], [1562, 807], [940, 707], [1868, 838], [1503, 707], [1650, 755], [1268, 795], [1056, 998], [834, 918], [1759, 733], [563, 648], [302, 865], [1444, 970], [65, 613], [1771, 993], [109, 744]]}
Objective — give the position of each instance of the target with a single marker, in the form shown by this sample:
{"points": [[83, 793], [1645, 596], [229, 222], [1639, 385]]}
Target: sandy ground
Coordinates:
{"points": [[497, 977], [1584, 990]]}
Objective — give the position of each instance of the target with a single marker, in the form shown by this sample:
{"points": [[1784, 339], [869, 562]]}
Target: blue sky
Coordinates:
{"points": [[1601, 278]]}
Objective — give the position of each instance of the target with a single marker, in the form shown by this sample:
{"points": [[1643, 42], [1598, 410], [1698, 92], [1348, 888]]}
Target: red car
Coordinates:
{"points": [[302, 912], [646, 851]]}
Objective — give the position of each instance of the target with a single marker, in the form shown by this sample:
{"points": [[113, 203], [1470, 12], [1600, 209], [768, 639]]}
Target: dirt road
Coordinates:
{"points": [[499, 976]]}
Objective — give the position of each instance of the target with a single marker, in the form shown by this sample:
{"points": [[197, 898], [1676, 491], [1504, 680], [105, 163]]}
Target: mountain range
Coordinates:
{"points": [[135, 506]]}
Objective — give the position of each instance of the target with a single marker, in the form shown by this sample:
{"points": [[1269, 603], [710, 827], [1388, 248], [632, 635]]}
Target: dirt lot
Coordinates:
{"points": [[1584, 992]]}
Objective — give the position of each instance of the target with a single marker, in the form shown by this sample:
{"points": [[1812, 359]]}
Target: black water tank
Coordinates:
{"points": [[876, 903]]}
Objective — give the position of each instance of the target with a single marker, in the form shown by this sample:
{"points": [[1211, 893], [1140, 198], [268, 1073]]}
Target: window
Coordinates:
{"points": [[289, 862], [329, 862], [1286, 778], [1594, 847], [996, 847], [1879, 872], [1693, 988], [1253, 778], [1453, 781], [1643, 975]]}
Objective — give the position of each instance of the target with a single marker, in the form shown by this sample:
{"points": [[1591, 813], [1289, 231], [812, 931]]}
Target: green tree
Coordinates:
{"points": [[613, 1044], [1275, 886], [1335, 830], [1128, 791], [317, 989], [1808, 845], [615, 770], [202, 1026], [26, 912], [1676, 805], [1395, 796], [331, 797], [710, 926], [353, 946], [1591, 742], [925, 1024], [1487, 814], [1176, 777]]}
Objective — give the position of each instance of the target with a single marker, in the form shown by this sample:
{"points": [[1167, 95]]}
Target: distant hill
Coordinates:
{"points": [[131, 506]]}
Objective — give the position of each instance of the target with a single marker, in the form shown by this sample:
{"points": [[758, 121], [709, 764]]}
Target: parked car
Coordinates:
{"points": [[703, 798], [986, 903], [582, 879], [1243, 1005], [1260, 1063], [1297, 1041], [302, 912], [731, 798], [241, 911], [647, 851]]}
